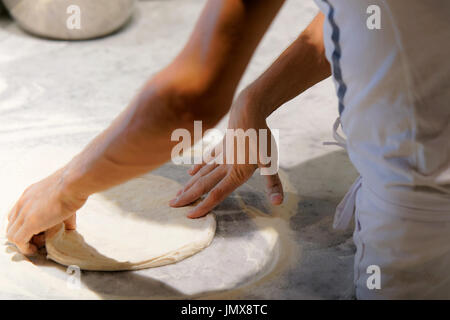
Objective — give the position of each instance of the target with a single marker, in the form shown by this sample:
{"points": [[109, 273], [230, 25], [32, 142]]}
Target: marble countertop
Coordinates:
{"points": [[64, 93]]}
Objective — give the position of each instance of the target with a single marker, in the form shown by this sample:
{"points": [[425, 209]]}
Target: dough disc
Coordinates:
{"points": [[130, 227]]}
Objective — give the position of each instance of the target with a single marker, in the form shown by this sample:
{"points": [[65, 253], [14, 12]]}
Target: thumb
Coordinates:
{"points": [[71, 223], [274, 189]]}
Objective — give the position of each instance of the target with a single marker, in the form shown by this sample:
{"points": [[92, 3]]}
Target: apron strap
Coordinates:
{"points": [[338, 139], [346, 208]]}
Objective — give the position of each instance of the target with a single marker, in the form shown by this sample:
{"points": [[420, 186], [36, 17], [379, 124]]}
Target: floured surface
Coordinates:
{"points": [[245, 250], [131, 227]]}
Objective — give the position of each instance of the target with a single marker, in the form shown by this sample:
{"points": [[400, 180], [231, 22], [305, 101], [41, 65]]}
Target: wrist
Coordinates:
{"points": [[252, 101], [262, 99], [69, 187]]}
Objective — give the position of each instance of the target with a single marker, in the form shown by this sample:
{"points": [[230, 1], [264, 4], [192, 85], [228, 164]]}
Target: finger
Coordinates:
{"points": [[38, 240], [226, 186], [202, 172], [27, 248], [202, 186], [17, 218], [13, 224], [193, 170], [207, 158], [71, 223], [12, 217], [21, 238], [274, 189], [12, 213], [213, 153]]}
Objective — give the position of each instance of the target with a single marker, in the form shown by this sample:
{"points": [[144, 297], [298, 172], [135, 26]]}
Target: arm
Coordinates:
{"points": [[299, 67], [198, 85]]}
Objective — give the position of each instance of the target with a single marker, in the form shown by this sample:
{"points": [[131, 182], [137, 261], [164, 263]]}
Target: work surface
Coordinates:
{"points": [[62, 94]]}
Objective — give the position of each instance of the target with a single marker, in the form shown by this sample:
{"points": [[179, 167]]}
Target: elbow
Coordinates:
{"points": [[179, 95], [193, 100]]}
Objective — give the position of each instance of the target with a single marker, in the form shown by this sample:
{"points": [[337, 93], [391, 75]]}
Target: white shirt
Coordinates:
{"points": [[393, 85]]}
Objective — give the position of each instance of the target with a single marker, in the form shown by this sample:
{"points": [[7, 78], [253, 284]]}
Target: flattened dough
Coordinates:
{"points": [[130, 227]]}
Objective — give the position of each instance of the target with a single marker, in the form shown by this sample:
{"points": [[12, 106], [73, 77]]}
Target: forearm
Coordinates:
{"points": [[198, 85], [298, 68], [123, 150]]}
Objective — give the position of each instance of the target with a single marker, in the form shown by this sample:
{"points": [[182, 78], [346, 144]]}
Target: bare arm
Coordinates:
{"points": [[198, 85], [298, 68]]}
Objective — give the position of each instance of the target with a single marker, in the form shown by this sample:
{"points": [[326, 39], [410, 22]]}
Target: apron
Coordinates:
{"points": [[346, 208]]}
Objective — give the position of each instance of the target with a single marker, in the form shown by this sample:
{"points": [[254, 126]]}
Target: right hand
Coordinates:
{"points": [[219, 180]]}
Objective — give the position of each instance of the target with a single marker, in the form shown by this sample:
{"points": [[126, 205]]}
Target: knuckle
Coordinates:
{"points": [[28, 219], [20, 203], [200, 187], [186, 188], [26, 191], [203, 170], [236, 176], [194, 179], [215, 194], [30, 223], [10, 237], [14, 239], [186, 197]]}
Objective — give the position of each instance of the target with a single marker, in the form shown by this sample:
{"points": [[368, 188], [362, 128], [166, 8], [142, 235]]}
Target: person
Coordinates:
{"points": [[392, 82]]}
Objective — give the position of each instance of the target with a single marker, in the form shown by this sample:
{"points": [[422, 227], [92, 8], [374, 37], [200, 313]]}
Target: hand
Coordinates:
{"points": [[42, 206], [219, 180]]}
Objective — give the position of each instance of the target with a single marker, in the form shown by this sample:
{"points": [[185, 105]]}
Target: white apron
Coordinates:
{"points": [[393, 86]]}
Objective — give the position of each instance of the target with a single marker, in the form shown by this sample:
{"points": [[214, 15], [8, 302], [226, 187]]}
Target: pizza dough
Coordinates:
{"points": [[130, 227]]}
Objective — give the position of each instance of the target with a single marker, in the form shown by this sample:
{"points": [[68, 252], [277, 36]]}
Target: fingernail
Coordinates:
{"points": [[189, 214], [276, 197], [174, 201]]}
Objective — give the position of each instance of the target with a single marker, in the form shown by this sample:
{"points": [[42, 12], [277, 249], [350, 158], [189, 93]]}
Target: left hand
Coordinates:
{"points": [[42, 206]]}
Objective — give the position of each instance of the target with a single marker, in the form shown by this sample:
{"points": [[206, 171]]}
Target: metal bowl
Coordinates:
{"points": [[58, 19]]}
